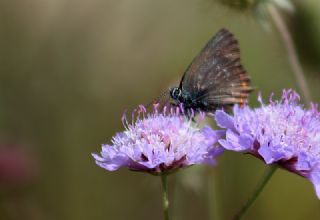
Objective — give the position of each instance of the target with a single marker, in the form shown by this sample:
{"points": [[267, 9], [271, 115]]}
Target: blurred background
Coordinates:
{"points": [[68, 70]]}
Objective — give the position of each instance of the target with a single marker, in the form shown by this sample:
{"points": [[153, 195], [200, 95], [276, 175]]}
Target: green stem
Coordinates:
{"points": [[165, 199], [268, 174], [213, 197]]}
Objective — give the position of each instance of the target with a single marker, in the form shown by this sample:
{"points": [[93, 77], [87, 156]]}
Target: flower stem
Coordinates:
{"points": [[213, 197], [292, 53], [268, 173], [165, 199]]}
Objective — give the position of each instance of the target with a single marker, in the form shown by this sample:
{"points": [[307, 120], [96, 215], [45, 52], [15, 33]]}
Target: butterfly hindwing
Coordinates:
{"points": [[216, 77]]}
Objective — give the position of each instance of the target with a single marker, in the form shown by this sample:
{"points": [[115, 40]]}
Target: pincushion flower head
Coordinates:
{"points": [[282, 132], [160, 142]]}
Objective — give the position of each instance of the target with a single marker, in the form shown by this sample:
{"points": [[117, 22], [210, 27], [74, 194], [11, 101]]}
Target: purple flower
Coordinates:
{"points": [[160, 142], [282, 132]]}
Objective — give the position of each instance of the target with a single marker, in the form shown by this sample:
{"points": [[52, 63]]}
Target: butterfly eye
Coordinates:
{"points": [[175, 93]]}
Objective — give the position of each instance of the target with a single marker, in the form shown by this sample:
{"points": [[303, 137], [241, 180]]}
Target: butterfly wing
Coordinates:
{"points": [[216, 77]]}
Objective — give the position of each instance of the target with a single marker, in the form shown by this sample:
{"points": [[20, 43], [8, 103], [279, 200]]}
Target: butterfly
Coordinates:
{"points": [[215, 78]]}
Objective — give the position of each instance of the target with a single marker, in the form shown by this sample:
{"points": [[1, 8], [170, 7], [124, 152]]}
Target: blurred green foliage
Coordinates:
{"points": [[70, 68], [239, 4]]}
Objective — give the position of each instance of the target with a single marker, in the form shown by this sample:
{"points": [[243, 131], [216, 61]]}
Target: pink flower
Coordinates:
{"points": [[160, 142]]}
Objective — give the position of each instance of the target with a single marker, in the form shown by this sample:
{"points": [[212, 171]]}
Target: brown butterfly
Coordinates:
{"points": [[215, 78]]}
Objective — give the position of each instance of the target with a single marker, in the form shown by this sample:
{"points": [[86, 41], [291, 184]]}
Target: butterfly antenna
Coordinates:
{"points": [[158, 99]]}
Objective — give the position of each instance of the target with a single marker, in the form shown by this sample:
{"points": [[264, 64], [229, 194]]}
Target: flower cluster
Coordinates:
{"points": [[282, 132], [160, 141]]}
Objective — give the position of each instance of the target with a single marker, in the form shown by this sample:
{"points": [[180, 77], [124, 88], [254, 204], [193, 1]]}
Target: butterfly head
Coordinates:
{"points": [[175, 93]]}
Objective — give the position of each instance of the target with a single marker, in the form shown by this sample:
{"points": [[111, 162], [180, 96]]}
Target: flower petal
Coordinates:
{"points": [[315, 179], [303, 162], [224, 120], [266, 153], [234, 142]]}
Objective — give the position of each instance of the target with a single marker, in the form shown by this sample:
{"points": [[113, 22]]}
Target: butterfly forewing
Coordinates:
{"points": [[216, 77]]}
